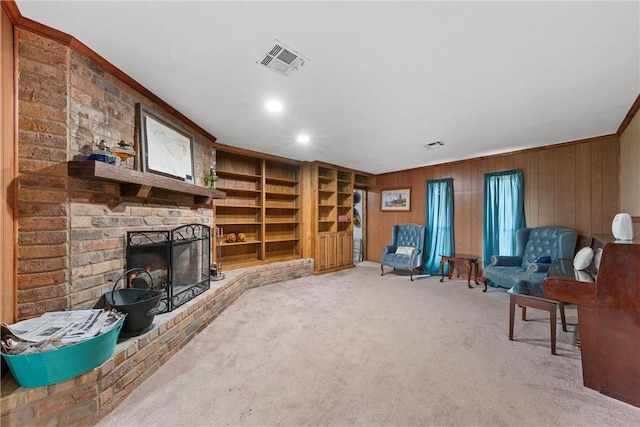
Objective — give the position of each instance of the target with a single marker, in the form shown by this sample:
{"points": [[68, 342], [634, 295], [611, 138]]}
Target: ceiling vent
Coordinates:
{"points": [[431, 145], [282, 59]]}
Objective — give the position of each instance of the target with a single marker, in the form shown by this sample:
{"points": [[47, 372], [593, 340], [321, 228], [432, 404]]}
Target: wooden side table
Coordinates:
{"points": [[470, 261]]}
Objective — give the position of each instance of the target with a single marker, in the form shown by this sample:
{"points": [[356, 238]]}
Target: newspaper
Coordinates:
{"points": [[59, 327]]}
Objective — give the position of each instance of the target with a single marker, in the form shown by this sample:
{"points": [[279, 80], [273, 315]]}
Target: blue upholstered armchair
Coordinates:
{"points": [[532, 244], [406, 249]]}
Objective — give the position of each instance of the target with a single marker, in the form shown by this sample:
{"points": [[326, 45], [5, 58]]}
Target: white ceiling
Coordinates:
{"points": [[383, 78]]}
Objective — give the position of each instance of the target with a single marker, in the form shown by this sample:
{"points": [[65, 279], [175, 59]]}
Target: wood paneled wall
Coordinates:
{"points": [[574, 185], [7, 177]]}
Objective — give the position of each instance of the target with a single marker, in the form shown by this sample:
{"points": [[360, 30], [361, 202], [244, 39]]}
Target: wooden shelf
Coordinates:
{"points": [[290, 208], [364, 181], [288, 239], [248, 242], [277, 258], [280, 193], [271, 222], [266, 206], [134, 183], [239, 190], [223, 173], [280, 180], [238, 206]]}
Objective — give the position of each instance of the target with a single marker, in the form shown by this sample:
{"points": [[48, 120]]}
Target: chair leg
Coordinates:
{"points": [[512, 314], [552, 321], [411, 274], [562, 317], [382, 270]]}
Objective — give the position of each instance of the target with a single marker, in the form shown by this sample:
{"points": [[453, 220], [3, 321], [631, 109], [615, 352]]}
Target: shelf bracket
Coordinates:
{"points": [[135, 190], [202, 200]]}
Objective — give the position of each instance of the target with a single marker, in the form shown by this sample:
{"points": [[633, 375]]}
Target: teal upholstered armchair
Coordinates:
{"points": [[535, 248], [406, 249]]}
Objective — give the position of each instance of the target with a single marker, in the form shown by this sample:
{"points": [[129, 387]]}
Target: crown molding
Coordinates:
{"points": [[11, 9], [630, 115]]}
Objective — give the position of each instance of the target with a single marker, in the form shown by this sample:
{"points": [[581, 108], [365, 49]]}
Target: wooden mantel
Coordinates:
{"points": [[134, 183]]}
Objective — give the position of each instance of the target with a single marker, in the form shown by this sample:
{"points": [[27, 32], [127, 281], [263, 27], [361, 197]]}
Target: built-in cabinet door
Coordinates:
{"points": [[332, 243], [334, 250], [345, 249], [321, 252], [326, 253]]}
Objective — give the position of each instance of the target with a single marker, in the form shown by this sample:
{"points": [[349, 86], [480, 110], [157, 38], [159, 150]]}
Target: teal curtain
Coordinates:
{"points": [[439, 223], [503, 212]]}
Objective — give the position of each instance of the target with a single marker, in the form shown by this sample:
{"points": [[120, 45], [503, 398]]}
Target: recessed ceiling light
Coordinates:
{"points": [[303, 138], [273, 106]]}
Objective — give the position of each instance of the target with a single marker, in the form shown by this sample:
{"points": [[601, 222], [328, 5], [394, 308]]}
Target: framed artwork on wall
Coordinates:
{"points": [[396, 200], [165, 148]]}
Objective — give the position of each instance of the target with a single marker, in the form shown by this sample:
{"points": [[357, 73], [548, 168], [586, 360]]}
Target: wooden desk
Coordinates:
{"points": [[470, 261], [608, 313]]}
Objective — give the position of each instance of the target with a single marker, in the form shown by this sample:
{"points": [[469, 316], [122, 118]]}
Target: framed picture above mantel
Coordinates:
{"points": [[165, 148], [396, 200]]}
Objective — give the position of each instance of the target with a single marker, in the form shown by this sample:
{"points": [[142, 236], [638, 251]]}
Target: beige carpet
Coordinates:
{"points": [[354, 348]]}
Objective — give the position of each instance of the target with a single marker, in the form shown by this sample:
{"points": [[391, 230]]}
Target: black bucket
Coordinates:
{"points": [[140, 305]]}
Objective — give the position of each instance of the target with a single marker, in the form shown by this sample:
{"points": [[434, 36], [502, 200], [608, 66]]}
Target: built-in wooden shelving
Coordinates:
{"points": [[134, 183], [263, 202], [333, 217]]}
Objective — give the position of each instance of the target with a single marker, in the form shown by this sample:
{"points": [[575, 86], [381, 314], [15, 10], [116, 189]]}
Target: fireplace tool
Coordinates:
{"points": [[216, 270], [139, 302]]}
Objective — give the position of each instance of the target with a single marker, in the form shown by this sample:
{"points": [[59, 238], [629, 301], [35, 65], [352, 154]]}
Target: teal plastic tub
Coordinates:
{"points": [[52, 367]]}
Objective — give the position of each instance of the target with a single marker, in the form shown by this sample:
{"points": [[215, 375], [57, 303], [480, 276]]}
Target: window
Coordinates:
{"points": [[439, 223], [503, 212]]}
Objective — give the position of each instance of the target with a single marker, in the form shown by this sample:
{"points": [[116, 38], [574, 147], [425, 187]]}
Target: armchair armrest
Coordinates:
{"points": [[507, 261], [416, 253], [389, 249], [536, 267]]}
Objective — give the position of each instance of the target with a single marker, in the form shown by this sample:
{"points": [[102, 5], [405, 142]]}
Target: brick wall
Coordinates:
{"points": [[86, 399], [43, 220], [71, 232]]}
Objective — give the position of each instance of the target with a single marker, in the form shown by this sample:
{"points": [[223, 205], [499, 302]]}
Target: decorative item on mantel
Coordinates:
{"points": [[83, 135], [211, 179], [124, 151], [102, 140], [101, 154]]}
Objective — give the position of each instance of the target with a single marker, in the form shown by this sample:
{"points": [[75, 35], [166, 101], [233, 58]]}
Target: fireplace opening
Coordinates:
{"points": [[178, 261]]}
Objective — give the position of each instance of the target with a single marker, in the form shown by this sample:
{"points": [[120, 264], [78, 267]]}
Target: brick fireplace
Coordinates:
{"points": [[72, 230]]}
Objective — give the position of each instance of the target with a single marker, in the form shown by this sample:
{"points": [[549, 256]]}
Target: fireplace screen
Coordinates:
{"points": [[178, 261]]}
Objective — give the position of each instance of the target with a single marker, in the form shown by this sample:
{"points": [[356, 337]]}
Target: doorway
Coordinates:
{"points": [[359, 225]]}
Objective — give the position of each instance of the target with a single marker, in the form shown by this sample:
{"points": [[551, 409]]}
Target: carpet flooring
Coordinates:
{"points": [[354, 348]]}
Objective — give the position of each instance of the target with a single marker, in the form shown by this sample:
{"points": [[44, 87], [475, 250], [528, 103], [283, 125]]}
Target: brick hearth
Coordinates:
{"points": [[89, 397]]}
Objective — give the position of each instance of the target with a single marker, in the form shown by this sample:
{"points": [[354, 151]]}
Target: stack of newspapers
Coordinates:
{"points": [[56, 329]]}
